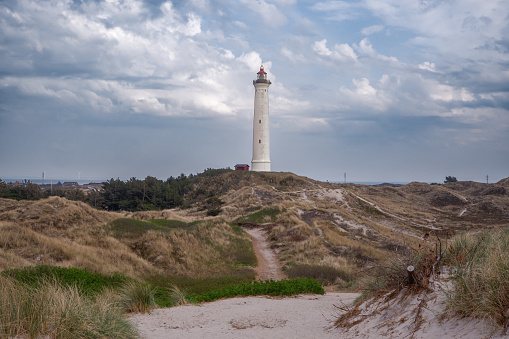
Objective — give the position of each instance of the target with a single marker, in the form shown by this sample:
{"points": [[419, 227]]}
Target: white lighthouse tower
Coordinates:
{"points": [[261, 143]]}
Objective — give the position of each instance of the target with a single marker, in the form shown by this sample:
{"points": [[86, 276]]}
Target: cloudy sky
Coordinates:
{"points": [[383, 90]]}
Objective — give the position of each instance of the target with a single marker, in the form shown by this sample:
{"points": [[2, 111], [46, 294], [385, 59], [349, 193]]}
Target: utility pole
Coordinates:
{"points": [[487, 179], [345, 177]]}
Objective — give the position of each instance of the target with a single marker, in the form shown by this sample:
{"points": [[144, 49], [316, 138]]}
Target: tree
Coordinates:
{"points": [[450, 179]]}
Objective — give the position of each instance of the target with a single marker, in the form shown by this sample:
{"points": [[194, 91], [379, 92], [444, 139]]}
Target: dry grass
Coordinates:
{"points": [[137, 297], [480, 271], [105, 255], [54, 311], [58, 232], [53, 213]]}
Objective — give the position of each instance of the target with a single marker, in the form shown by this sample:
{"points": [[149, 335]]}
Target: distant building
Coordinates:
{"points": [[242, 167], [70, 184]]}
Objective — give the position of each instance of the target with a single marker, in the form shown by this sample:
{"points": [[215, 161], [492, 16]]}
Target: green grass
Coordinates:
{"points": [[268, 213], [324, 274], [131, 228], [87, 282], [164, 285], [240, 252], [286, 287]]}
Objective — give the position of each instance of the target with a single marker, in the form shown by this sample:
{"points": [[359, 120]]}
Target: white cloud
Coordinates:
{"points": [[365, 95], [293, 57], [372, 29], [365, 47], [427, 66], [341, 52], [241, 25], [448, 93], [252, 60], [320, 47], [269, 13]]}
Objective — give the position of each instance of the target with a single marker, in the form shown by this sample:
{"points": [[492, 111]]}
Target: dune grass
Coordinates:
{"points": [[131, 228], [87, 282], [479, 264], [58, 311], [268, 214], [137, 297], [70, 303]]}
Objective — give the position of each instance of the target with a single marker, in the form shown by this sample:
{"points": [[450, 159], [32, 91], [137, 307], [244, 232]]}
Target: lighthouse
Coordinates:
{"points": [[261, 143]]}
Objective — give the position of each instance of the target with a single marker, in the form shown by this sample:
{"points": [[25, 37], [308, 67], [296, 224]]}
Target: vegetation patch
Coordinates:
{"points": [[286, 287], [131, 228], [165, 286], [85, 281], [269, 214], [51, 310], [326, 275], [137, 297], [480, 271]]}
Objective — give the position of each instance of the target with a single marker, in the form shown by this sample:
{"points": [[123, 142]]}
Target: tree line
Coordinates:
{"points": [[117, 195]]}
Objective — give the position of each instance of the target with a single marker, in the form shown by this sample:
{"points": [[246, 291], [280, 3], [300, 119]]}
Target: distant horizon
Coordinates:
{"points": [[85, 180]]}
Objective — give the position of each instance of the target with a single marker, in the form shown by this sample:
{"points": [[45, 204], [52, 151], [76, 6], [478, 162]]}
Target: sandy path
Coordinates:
{"points": [[303, 316], [268, 264]]}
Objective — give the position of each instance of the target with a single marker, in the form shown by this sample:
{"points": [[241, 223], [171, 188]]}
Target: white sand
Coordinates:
{"points": [[304, 316]]}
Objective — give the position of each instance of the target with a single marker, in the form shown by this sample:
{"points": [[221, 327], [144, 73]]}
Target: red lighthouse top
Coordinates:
{"points": [[262, 76]]}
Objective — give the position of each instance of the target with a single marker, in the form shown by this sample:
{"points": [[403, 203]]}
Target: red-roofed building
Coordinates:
{"points": [[242, 167]]}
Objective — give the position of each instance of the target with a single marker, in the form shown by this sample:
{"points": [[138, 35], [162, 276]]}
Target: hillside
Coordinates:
{"points": [[56, 231], [349, 226], [346, 227]]}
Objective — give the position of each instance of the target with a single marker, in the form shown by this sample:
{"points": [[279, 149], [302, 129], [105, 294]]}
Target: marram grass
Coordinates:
{"points": [[57, 311], [480, 271], [137, 297]]}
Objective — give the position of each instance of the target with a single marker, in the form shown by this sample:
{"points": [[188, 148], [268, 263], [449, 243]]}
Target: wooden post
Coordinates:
{"points": [[411, 275]]}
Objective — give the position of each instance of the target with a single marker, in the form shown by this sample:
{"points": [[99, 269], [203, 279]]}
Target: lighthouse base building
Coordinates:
{"points": [[261, 141]]}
